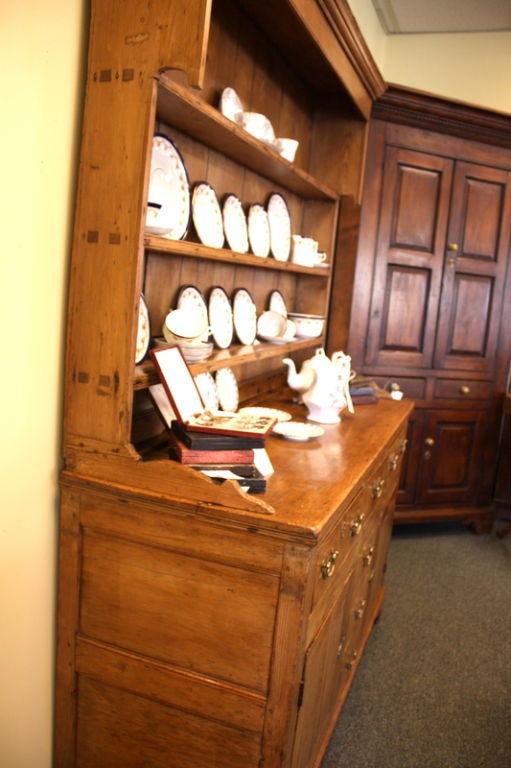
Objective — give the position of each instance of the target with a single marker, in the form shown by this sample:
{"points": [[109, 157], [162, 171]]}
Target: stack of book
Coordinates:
{"points": [[363, 391], [222, 456]]}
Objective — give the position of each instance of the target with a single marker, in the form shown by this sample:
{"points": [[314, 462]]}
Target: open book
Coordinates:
{"points": [[189, 407]]}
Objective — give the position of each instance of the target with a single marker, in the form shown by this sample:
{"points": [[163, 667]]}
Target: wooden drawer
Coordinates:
{"points": [[459, 389], [384, 479], [413, 387]]}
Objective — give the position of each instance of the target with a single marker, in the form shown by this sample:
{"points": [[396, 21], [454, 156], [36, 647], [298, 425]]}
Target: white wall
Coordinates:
{"points": [[41, 58], [475, 68]]}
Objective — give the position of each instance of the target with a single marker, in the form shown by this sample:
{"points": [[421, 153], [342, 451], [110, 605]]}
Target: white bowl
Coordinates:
{"points": [[182, 325], [286, 148], [308, 326], [271, 324], [258, 126]]}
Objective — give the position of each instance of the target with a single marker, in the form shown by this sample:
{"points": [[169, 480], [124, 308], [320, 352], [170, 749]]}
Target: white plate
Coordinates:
{"points": [[279, 222], [244, 316], [230, 104], [277, 303], [143, 331], [261, 411], [258, 230], [227, 390], [170, 188], [220, 317], [296, 430], [192, 300], [207, 215], [235, 224], [207, 389]]}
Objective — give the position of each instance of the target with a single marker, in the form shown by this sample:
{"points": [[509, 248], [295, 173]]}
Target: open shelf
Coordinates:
{"points": [[145, 374], [182, 108], [199, 251]]}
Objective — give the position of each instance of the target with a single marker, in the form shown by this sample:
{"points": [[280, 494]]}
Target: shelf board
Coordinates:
{"points": [[145, 374], [182, 108], [199, 251]]}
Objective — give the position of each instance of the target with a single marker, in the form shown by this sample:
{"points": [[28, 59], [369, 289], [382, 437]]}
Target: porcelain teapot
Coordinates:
{"points": [[323, 384]]}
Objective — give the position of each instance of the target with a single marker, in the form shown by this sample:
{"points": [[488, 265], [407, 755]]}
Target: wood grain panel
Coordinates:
{"points": [[113, 726], [228, 635]]}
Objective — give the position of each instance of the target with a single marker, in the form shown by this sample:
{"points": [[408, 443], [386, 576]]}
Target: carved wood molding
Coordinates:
{"points": [[347, 31], [419, 109]]}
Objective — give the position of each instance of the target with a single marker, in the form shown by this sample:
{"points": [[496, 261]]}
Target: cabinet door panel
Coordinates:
{"points": [[451, 457], [409, 258], [478, 245], [323, 676]]}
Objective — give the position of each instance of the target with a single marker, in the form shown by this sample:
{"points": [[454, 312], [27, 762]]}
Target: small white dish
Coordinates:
{"points": [[230, 105], [220, 317], [184, 325], [207, 215], [235, 224], [296, 430], [244, 316], [207, 390], [279, 222], [227, 390], [258, 230], [169, 188], [143, 331], [286, 148], [258, 125], [277, 303]]}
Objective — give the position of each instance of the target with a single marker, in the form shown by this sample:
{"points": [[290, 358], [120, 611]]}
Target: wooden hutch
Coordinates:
{"points": [[199, 626]]}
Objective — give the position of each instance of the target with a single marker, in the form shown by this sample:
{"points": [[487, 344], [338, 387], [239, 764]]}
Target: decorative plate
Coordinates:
{"points": [[296, 430], [258, 230], [220, 317], [230, 104], [207, 390], [277, 303], [227, 390], [244, 316], [261, 411], [235, 224], [279, 222], [168, 187], [207, 215], [192, 300], [143, 331]]}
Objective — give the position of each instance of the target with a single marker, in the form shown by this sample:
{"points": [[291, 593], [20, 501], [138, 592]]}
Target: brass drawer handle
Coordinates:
{"points": [[359, 611], [401, 446], [368, 557], [356, 525], [377, 489], [393, 462], [351, 662], [341, 645], [328, 565], [464, 390]]}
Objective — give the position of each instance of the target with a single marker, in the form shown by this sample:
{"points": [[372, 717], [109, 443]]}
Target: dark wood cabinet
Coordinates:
{"points": [[430, 297]]}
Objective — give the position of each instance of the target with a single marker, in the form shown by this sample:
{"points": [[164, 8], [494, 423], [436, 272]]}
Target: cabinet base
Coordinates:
{"points": [[480, 518]]}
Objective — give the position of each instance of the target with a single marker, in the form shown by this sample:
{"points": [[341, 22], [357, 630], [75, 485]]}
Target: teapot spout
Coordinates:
{"points": [[299, 381]]}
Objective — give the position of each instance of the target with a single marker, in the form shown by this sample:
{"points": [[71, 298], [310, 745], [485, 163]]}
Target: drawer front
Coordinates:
{"points": [[335, 551], [413, 387], [458, 389]]}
